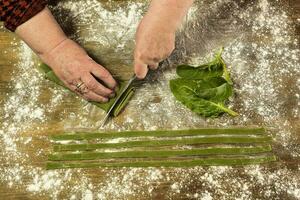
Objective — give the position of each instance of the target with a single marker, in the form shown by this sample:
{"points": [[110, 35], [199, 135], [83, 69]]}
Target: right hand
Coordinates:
{"points": [[75, 68], [154, 43]]}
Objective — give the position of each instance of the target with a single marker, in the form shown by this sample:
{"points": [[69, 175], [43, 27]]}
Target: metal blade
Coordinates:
{"points": [[116, 101]]}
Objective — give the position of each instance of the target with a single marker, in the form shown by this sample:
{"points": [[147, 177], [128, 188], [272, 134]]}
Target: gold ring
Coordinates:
{"points": [[78, 85], [81, 88]]}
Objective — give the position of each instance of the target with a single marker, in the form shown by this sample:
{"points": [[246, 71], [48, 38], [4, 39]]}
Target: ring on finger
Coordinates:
{"points": [[81, 88], [78, 85]]}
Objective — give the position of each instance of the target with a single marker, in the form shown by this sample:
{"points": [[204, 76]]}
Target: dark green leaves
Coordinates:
{"points": [[204, 89]]}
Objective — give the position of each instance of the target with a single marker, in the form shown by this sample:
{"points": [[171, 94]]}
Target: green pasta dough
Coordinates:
{"points": [[159, 133], [237, 161], [162, 148], [160, 143], [162, 154]]}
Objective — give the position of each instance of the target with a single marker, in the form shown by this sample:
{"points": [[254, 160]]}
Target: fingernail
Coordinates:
{"points": [[105, 100], [140, 77]]}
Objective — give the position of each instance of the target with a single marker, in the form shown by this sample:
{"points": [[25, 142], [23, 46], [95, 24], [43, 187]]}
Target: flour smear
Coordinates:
{"points": [[269, 38]]}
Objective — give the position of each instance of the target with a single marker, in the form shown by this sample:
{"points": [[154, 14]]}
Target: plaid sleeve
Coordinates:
{"points": [[16, 12]]}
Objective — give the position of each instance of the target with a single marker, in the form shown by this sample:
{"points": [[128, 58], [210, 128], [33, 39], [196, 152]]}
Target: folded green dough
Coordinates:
{"points": [[123, 101]]}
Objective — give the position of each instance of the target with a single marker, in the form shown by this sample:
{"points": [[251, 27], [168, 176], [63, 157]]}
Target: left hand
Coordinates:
{"points": [[154, 43]]}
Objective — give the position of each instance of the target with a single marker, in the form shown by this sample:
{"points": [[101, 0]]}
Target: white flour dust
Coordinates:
{"points": [[260, 83], [100, 26], [265, 72]]}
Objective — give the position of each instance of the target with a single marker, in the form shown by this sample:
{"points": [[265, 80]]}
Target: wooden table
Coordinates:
{"points": [[27, 118]]}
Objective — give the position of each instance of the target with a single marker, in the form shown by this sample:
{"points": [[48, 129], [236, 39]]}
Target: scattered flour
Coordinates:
{"points": [[262, 58]]}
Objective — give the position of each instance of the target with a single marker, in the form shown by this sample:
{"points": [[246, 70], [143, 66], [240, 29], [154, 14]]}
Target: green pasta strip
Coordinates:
{"points": [[168, 163], [161, 154], [164, 133], [157, 143], [123, 101]]}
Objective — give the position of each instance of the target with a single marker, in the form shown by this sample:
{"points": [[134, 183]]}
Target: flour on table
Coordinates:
{"points": [[260, 83]]}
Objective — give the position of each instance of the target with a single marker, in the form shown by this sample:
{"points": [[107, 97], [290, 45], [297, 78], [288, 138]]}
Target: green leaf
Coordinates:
{"points": [[214, 68], [200, 98], [217, 94], [203, 89], [200, 72], [216, 89]]}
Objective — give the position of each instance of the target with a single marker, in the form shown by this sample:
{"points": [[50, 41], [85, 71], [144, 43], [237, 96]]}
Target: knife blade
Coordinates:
{"points": [[108, 114]]}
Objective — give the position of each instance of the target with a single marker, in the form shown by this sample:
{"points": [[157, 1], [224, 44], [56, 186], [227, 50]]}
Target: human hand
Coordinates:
{"points": [[79, 72], [155, 37], [68, 60], [154, 43]]}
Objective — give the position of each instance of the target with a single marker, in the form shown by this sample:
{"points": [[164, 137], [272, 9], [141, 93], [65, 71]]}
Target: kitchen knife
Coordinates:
{"points": [[107, 116]]}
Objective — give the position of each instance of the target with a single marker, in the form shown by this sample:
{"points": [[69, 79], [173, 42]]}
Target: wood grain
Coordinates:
{"points": [[119, 65]]}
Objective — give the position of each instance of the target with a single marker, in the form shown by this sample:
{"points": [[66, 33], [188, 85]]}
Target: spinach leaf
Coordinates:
{"points": [[206, 102], [203, 89], [200, 72], [214, 68], [215, 89]]}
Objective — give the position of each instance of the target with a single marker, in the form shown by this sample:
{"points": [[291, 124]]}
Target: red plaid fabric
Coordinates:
{"points": [[16, 12]]}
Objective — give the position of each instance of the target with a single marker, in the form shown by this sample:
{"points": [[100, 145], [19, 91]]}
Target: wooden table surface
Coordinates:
{"points": [[29, 132]]}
